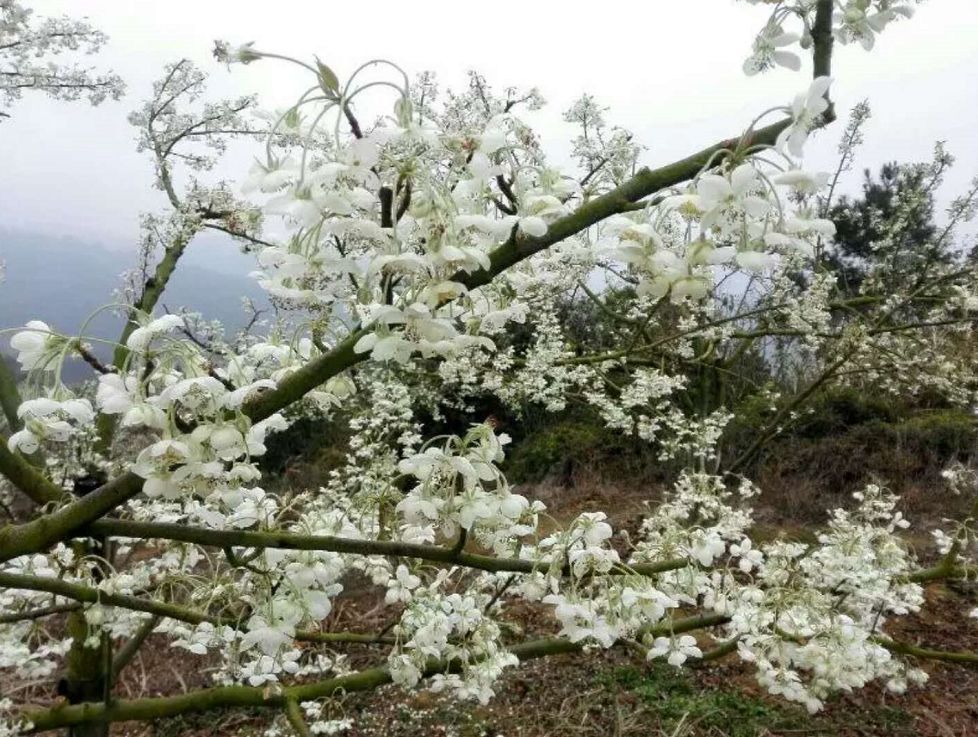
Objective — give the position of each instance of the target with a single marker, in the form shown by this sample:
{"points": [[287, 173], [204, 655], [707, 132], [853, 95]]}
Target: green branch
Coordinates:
{"points": [[822, 39], [294, 541], [90, 595], [34, 614], [41, 533], [260, 697], [129, 650], [947, 656], [293, 713], [9, 396], [152, 291], [720, 651], [27, 478]]}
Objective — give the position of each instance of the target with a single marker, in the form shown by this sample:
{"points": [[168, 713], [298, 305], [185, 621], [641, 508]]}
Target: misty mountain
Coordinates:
{"points": [[64, 280]]}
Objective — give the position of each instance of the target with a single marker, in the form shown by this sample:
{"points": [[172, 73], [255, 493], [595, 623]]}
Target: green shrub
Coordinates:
{"points": [[947, 434], [573, 440], [841, 408]]}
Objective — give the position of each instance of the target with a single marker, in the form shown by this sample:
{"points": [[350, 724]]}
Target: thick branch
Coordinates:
{"points": [[92, 360], [33, 614], [26, 478], [905, 648], [249, 696], [9, 396], [822, 39], [293, 713], [90, 595], [152, 291], [129, 650], [41, 533], [520, 247], [292, 541]]}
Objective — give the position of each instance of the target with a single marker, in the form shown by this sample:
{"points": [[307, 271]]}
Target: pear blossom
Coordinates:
{"points": [[806, 111], [401, 585], [769, 51], [750, 557], [34, 345], [676, 649], [269, 639], [858, 21], [115, 393], [272, 176], [141, 337], [155, 462], [754, 261], [49, 419], [723, 197], [803, 182], [706, 547], [194, 393], [240, 54]]}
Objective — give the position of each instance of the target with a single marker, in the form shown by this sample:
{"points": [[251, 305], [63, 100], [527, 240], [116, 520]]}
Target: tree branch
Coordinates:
{"points": [[260, 697], [26, 478], [905, 648], [33, 614], [91, 595], [41, 533], [129, 650], [294, 714], [292, 541], [9, 396]]}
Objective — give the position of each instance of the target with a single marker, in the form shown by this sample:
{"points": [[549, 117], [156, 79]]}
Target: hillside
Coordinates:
{"points": [[64, 280]]}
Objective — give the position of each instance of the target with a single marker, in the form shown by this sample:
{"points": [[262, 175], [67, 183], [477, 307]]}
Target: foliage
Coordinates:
{"points": [[572, 441], [890, 232]]}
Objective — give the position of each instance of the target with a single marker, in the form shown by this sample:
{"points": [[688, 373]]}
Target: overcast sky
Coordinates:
{"points": [[669, 71]]}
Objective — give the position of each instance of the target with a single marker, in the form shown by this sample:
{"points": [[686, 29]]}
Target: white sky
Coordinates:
{"points": [[669, 71]]}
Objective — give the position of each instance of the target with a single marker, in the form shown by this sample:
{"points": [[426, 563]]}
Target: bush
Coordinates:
{"points": [[842, 408], [575, 440], [850, 440]]}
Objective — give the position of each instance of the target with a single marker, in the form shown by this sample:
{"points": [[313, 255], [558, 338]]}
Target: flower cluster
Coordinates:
{"points": [[792, 23], [454, 628], [459, 487]]}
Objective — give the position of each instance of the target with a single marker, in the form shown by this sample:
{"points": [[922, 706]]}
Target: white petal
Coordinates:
{"points": [[533, 226]]}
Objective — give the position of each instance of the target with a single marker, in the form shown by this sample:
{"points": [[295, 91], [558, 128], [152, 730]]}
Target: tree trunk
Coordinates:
{"points": [[85, 677]]}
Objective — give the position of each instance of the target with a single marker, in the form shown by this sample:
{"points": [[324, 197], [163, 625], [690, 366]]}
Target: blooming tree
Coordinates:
{"points": [[415, 263], [29, 53]]}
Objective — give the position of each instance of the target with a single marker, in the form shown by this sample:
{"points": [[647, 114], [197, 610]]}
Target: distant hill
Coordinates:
{"points": [[63, 280]]}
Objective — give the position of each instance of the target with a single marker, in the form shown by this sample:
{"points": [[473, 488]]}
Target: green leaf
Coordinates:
{"points": [[327, 78]]}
